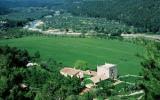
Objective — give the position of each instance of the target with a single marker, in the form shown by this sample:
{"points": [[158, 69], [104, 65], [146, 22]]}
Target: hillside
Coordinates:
{"points": [[30, 3], [140, 13]]}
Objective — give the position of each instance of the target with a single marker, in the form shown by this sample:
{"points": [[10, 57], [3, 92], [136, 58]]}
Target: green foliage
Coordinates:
{"points": [[26, 14], [32, 77], [4, 10], [80, 64], [37, 54], [16, 33], [61, 88], [141, 14], [15, 57], [38, 82], [3, 84], [105, 87], [87, 81], [67, 22], [151, 66], [131, 79], [31, 3], [72, 97]]}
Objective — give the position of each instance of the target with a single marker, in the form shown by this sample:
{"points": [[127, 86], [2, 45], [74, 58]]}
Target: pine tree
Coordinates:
{"points": [[151, 72]]}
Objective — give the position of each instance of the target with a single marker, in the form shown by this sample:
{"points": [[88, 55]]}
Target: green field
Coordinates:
{"points": [[94, 51]]}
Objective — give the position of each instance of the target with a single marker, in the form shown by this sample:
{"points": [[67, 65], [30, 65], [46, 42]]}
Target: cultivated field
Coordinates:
{"points": [[94, 51]]}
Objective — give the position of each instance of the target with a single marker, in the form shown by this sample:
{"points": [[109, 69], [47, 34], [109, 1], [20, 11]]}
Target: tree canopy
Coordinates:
{"points": [[139, 13], [151, 70]]}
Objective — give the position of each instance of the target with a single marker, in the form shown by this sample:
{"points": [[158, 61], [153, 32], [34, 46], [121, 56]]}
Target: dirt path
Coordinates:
{"points": [[140, 98], [130, 76], [153, 37], [132, 94]]}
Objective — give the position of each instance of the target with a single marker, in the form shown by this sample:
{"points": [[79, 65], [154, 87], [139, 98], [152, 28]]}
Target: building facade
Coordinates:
{"points": [[107, 71], [104, 72]]}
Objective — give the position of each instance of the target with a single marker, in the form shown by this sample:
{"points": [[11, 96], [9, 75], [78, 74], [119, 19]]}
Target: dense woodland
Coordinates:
{"points": [[85, 25], [151, 70], [19, 82], [30, 3], [16, 33], [139, 13], [142, 14], [4, 10]]}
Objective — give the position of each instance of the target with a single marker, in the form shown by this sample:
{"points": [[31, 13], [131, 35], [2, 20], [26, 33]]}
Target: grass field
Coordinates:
{"points": [[94, 51]]}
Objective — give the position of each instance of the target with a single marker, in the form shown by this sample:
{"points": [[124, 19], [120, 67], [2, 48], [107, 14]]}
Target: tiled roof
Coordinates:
{"points": [[70, 71], [89, 72]]}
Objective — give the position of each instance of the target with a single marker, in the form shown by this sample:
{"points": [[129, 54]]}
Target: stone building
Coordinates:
{"points": [[106, 71]]}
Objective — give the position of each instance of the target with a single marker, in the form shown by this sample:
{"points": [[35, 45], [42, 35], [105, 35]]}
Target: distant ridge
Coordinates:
{"points": [[139, 13]]}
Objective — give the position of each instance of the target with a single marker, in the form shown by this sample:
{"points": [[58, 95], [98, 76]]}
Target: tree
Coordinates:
{"points": [[61, 87], [67, 30], [80, 64], [105, 87], [40, 82], [37, 54], [151, 71], [142, 13]]}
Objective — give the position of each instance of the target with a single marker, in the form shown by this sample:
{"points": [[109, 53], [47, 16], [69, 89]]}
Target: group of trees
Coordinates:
{"points": [[18, 17], [142, 13], [15, 57], [30, 3], [19, 82], [86, 25], [16, 33], [151, 71], [80, 64], [14, 23], [4, 10]]}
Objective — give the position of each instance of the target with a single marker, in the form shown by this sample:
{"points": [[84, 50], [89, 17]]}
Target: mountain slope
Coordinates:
{"points": [[29, 3], [139, 13]]}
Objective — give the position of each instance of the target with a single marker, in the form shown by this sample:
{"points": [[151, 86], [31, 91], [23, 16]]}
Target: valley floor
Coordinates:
{"points": [[94, 51]]}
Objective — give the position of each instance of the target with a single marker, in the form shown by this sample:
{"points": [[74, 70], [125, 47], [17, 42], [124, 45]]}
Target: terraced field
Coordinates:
{"points": [[94, 51]]}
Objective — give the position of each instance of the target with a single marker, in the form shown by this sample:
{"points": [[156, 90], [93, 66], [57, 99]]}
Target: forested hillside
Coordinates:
{"points": [[140, 13], [43, 81], [6, 5], [30, 3], [4, 10]]}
